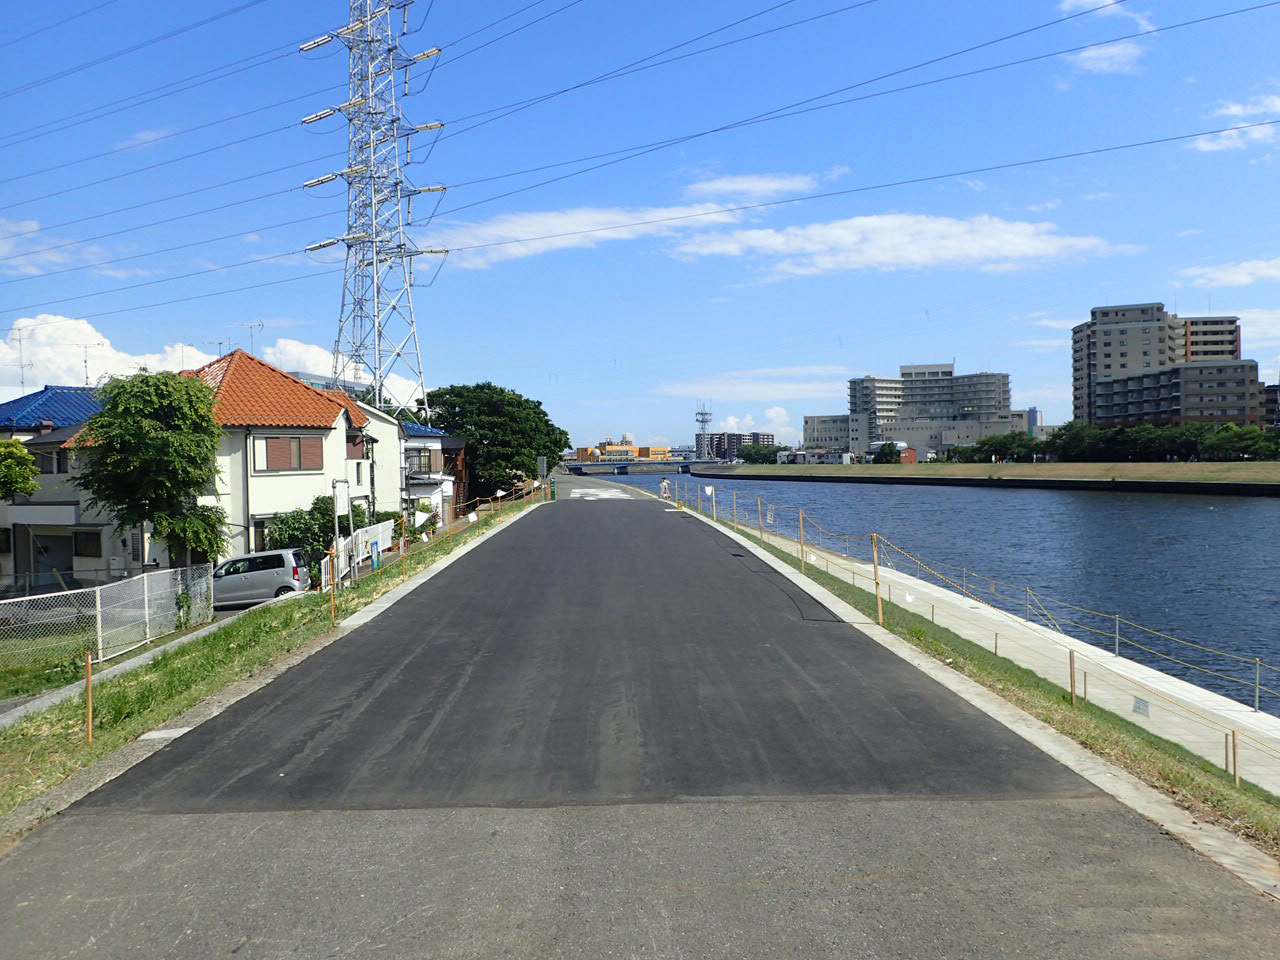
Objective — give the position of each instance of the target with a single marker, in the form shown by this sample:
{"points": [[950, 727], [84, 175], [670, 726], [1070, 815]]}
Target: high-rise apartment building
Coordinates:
{"points": [[929, 407], [1138, 363], [724, 446]]}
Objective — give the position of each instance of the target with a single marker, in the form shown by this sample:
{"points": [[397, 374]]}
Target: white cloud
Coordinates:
{"points": [[1259, 328], [1239, 274], [752, 186], [895, 242], [143, 137], [54, 349], [1234, 139], [554, 227], [1047, 205], [1117, 10], [1263, 105], [769, 384], [977, 184], [1121, 57], [1045, 346], [295, 355], [1099, 196], [776, 421], [1057, 324], [1187, 233]]}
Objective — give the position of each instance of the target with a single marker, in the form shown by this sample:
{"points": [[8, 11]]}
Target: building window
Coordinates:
{"points": [[359, 474], [355, 446], [6, 540], [278, 454], [52, 461], [87, 543]]}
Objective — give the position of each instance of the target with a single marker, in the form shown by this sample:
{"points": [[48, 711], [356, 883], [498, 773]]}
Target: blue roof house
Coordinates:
{"points": [[51, 408]]}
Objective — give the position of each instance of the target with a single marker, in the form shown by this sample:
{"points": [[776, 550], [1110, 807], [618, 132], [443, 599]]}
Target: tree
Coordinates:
{"points": [[148, 455], [888, 453], [18, 470], [760, 452], [505, 432], [311, 530]]}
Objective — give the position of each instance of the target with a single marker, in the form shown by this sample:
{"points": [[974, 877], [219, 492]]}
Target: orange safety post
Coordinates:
{"points": [[404, 551], [88, 696], [875, 566], [802, 564]]}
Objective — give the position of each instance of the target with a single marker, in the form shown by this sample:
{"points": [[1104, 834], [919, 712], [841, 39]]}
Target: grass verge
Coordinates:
{"points": [[46, 748], [1191, 781]]}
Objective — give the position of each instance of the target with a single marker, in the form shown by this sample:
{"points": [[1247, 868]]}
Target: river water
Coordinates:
{"points": [[1199, 568]]}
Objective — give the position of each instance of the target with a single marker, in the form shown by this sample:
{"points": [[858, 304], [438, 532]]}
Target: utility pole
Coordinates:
{"points": [[377, 332]]}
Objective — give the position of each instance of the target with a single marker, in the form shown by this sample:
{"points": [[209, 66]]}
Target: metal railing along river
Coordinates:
{"points": [[1098, 656]]}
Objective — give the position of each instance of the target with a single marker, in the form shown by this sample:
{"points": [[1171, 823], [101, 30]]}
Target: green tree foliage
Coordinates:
{"points": [[505, 432], [760, 452], [888, 453], [311, 530], [148, 455], [1082, 443], [18, 470]]}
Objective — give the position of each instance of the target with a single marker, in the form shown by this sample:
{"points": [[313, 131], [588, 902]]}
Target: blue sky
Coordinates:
{"points": [[763, 313]]}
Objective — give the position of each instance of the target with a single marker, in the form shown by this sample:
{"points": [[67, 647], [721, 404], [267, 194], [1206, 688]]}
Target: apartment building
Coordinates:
{"points": [[930, 407], [1138, 363], [1206, 391], [826, 432], [724, 446]]}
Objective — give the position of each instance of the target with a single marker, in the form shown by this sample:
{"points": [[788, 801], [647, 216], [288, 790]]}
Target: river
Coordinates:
{"points": [[1200, 568]]}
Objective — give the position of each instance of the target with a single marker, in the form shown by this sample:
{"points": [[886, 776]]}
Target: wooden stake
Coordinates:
{"points": [[1235, 756], [1071, 659], [333, 587], [88, 696], [802, 566], [875, 567], [760, 517]]}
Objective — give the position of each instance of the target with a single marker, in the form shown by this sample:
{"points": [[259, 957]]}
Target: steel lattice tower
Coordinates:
{"points": [[377, 331]]}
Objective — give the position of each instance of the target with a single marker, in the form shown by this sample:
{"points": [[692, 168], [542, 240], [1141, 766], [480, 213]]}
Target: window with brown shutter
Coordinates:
{"points": [[437, 461], [355, 446], [281, 453], [312, 452]]}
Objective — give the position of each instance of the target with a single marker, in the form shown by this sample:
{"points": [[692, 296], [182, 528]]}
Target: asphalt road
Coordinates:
{"points": [[609, 731]]}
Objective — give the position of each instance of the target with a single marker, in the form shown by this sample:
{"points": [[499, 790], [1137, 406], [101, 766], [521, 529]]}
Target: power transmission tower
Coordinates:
{"points": [[377, 332]]}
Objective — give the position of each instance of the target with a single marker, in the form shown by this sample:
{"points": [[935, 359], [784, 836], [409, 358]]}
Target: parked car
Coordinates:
{"points": [[259, 576]]}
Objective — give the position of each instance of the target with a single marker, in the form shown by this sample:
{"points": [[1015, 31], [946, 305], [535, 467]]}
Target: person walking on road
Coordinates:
{"points": [[664, 488]]}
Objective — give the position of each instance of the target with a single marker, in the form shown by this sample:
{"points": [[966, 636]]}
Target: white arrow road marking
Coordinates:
{"points": [[591, 493]]}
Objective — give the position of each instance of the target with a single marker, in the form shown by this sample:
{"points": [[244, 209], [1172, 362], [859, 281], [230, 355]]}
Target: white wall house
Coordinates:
{"points": [[430, 464]]}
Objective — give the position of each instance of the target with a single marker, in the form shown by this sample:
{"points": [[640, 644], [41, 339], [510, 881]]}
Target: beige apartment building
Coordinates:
{"points": [[1128, 367]]}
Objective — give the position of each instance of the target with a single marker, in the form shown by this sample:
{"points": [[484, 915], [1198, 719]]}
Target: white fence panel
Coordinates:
{"points": [[358, 548]]}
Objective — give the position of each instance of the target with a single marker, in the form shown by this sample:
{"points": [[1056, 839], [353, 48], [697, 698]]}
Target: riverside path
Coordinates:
{"points": [[610, 731]]}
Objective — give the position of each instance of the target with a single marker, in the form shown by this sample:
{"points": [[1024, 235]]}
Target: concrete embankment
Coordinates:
{"points": [[1225, 479]]}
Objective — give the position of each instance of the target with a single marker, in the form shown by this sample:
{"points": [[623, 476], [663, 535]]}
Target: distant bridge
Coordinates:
{"points": [[623, 467]]}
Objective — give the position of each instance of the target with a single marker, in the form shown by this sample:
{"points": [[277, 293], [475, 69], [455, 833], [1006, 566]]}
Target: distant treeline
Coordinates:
{"points": [[1083, 443]]}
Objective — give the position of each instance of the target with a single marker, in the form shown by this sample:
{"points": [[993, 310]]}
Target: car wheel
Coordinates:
{"points": [[284, 591]]}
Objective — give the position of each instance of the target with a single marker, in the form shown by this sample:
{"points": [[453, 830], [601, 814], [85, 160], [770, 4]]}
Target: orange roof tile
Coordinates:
{"points": [[249, 392], [358, 416]]}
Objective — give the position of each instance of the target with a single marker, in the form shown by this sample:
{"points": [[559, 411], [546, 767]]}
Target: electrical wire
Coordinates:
{"points": [[149, 253], [799, 107], [848, 191], [879, 186], [639, 66], [198, 296], [142, 45], [490, 26], [56, 24], [173, 196], [509, 33]]}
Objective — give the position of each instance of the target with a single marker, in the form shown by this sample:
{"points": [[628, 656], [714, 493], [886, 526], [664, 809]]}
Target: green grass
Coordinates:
{"points": [[1190, 780], [48, 747]]}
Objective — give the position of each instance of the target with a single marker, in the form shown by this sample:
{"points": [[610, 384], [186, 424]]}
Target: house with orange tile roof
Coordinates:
{"points": [[285, 443]]}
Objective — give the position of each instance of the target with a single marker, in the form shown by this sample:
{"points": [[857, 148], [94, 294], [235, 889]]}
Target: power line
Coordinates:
{"points": [[911, 181], [198, 296], [174, 196], [56, 24], [15, 137], [488, 26], [779, 113], [879, 186], [152, 253], [524, 26], [107, 57], [638, 66]]}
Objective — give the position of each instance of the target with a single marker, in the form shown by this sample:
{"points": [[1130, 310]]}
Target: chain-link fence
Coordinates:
{"points": [[106, 621]]}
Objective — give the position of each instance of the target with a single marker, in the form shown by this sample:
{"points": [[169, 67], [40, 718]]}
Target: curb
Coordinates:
{"points": [[1225, 849], [107, 768]]}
